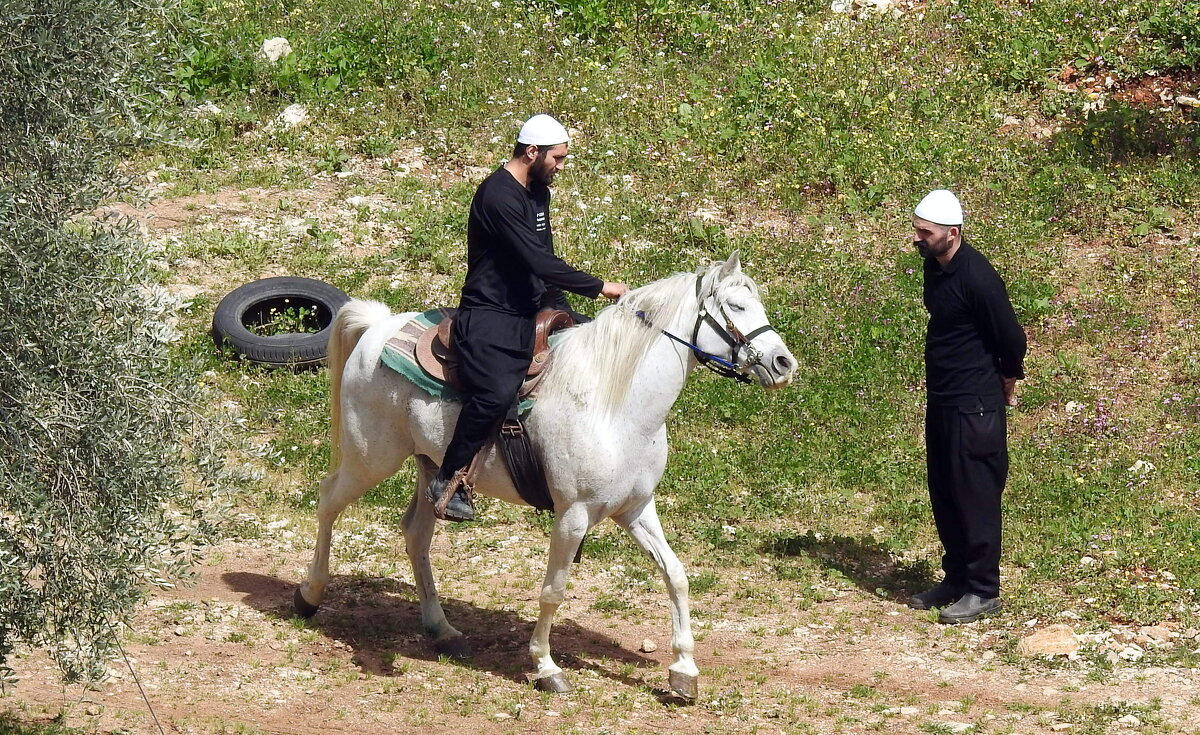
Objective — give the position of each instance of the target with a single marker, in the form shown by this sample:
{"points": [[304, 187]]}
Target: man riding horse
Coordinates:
{"points": [[512, 272]]}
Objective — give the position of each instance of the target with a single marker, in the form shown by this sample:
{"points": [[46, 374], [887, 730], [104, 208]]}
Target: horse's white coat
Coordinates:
{"points": [[599, 425]]}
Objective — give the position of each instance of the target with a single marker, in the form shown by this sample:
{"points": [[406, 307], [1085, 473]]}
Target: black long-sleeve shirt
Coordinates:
{"points": [[973, 337], [510, 250]]}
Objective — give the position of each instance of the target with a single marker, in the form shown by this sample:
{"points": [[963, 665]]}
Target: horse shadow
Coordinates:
{"points": [[379, 619], [861, 559]]}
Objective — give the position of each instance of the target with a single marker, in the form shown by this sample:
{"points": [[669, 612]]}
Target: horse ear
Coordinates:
{"points": [[731, 266]]}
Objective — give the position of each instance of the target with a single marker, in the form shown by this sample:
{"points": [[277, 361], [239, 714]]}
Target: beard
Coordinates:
{"points": [[928, 250], [540, 173]]}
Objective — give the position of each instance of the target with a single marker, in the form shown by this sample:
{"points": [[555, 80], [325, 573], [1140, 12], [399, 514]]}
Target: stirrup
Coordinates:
{"points": [[458, 481]]}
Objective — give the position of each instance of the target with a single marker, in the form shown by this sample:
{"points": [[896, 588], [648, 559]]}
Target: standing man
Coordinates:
{"points": [[974, 350], [510, 263]]}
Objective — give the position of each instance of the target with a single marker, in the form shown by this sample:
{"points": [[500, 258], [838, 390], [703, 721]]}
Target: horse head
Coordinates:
{"points": [[732, 323]]}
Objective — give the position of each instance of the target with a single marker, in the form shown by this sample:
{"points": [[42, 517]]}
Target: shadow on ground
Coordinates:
{"points": [[861, 559], [380, 620]]}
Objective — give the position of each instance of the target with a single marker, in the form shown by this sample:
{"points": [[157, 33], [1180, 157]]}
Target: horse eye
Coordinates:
{"points": [[737, 307]]}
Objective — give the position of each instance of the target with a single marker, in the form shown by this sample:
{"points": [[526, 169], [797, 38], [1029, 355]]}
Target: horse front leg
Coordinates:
{"points": [[569, 529], [642, 524], [418, 527]]}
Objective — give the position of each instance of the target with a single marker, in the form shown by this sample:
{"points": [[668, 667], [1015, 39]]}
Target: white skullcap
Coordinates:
{"points": [[542, 130], [940, 207]]}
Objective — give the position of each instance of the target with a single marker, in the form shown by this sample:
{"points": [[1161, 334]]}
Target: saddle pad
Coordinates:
{"points": [[400, 354]]}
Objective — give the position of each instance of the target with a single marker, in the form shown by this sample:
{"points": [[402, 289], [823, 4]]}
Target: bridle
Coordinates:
{"points": [[737, 341]]}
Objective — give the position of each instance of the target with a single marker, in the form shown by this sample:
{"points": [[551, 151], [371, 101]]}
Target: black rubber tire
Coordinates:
{"points": [[247, 305]]}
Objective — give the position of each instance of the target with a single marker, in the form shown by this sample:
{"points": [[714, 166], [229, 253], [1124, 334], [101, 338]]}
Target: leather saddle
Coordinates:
{"points": [[436, 354]]}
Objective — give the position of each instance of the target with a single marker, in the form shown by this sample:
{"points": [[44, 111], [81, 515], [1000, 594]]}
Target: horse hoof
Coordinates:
{"points": [[304, 608], [455, 648], [555, 684], [684, 686]]}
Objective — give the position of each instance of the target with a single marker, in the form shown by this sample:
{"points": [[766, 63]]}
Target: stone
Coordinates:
{"points": [[1129, 721], [94, 709], [1132, 652], [293, 116], [1062, 726], [206, 109], [648, 646], [952, 726], [1187, 101], [1053, 640], [274, 49], [1156, 633]]}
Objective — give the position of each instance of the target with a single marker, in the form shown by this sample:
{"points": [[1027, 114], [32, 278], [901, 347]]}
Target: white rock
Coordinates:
{"points": [[357, 201], [1129, 721], [1062, 726], [952, 726], [1132, 652], [206, 109], [274, 49], [1187, 101], [1141, 467], [296, 226], [293, 116], [648, 646]]}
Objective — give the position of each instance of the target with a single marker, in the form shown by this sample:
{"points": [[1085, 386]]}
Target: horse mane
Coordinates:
{"points": [[596, 362]]}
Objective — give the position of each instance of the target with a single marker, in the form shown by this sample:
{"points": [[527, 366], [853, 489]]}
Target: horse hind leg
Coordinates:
{"points": [[643, 526], [337, 491], [418, 527]]}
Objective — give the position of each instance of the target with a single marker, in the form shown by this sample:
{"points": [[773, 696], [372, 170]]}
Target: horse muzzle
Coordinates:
{"points": [[777, 370]]}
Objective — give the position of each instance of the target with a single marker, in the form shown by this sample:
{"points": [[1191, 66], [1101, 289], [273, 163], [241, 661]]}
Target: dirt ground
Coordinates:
{"points": [[227, 655]]}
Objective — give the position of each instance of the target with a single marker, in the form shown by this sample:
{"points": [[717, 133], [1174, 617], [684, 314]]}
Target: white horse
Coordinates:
{"points": [[599, 424]]}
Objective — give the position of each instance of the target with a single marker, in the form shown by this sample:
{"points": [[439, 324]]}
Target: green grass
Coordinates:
{"points": [[811, 136]]}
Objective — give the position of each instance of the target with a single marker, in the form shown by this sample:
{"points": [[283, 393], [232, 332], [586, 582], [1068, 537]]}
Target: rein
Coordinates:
{"points": [[728, 332]]}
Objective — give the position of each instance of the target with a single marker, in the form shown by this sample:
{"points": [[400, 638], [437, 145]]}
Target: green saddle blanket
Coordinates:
{"points": [[400, 354]]}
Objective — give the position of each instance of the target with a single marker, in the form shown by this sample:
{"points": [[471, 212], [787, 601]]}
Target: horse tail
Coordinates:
{"points": [[354, 318]]}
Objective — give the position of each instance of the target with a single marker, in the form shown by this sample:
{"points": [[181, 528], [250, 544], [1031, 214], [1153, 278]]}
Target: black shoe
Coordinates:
{"points": [[970, 608], [458, 509], [941, 595]]}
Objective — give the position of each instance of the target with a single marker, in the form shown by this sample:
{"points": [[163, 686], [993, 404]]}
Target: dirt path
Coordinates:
{"points": [[226, 655]]}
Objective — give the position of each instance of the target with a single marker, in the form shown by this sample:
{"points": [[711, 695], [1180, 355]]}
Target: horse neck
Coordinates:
{"points": [[621, 365], [660, 378]]}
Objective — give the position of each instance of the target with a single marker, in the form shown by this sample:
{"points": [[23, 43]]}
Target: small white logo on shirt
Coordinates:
{"points": [[541, 221]]}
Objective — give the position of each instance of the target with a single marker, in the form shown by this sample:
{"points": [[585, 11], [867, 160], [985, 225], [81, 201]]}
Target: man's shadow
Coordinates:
{"points": [[379, 619], [861, 559]]}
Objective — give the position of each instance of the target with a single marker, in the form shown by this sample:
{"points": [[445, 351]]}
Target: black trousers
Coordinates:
{"points": [[967, 459], [494, 351]]}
